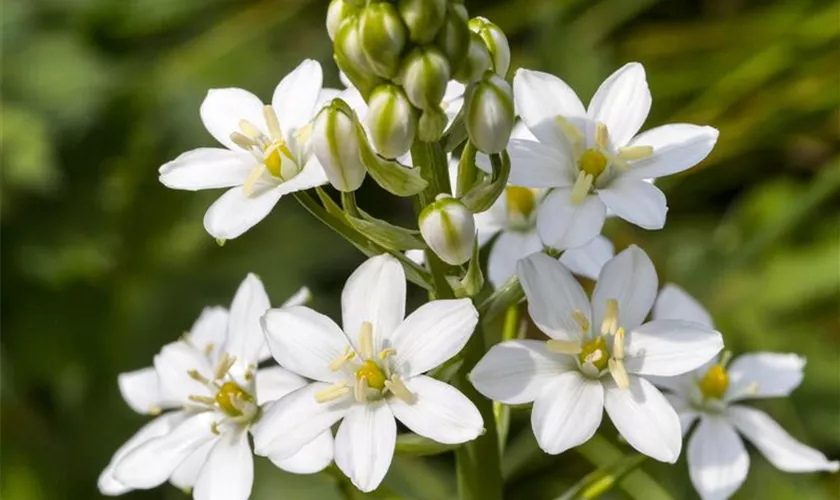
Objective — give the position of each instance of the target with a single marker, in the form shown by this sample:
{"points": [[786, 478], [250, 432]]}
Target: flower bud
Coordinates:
{"points": [[454, 37], [432, 124], [424, 76], [423, 17], [489, 113], [350, 57], [476, 62], [496, 41], [383, 38], [391, 120], [449, 229], [337, 12], [335, 142]]}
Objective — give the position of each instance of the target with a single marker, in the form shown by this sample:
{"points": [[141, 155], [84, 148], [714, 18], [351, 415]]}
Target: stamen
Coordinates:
{"points": [[243, 141], [384, 353], [618, 345], [725, 358], [155, 410], [397, 387], [581, 188], [208, 349], [572, 133], [360, 389], [563, 346], [346, 356], [634, 153], [250, 130], [602, 137], [578, 315], [204, 400], [610, 322], [214, 428], [251, 180], [224, 365], [303, 134], [197, 377], [332, 392], [366, 340], [594, 357], [619, 374], [752, 389], [273, 123]]}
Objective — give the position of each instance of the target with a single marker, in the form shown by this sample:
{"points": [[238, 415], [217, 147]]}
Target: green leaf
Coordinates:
{"points": [[385, 234], [412, 444]]}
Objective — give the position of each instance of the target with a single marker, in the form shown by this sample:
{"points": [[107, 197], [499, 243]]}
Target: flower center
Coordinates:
{"points": [[521, 203], [714, 383], [593, 162], [373, 375], [238, 405], [595, 352], [233, 399]]}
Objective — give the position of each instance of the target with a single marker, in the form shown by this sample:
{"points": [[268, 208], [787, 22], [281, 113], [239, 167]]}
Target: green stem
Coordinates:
{"points": [[467, 170], [599, 481], [508, 294], [348, 202], [501, 411]]}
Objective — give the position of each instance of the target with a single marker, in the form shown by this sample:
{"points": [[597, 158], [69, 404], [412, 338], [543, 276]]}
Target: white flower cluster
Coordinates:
{"points": [[530, 194]]}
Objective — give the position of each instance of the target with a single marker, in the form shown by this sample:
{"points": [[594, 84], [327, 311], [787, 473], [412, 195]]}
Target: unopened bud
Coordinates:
{"points": [[454, 37], [391, 120], [489, 113], [383, 38], [449, 229], [432, 124], [476, 62], [350, 57], [424, 18], [424, 76], [336, 145], [496, 41], [337, 12]]}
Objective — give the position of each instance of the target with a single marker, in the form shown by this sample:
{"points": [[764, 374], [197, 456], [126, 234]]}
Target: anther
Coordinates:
{"points": [[581, 188], [610, 322], [346, 355], [634, 153], [619, 374], [360, 390], [204, 400], [208, 349], [602, 137], [155, 410], [224, 365], [563, 346], [273, 123], [398, 389], [618, 344], [251, 180], [578, 316], [332, 392], [250, 130], [214, 428], [366, 340], [384, 353], [197, 377], [569, 131], [242, 141]]}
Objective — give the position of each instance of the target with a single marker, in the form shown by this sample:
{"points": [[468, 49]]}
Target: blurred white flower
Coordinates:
{"points": [[209, 379], [597, 358], [717, 460], [368, 373], [592, 159]]}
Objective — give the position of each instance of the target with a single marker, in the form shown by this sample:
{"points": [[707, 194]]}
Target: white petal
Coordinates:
{"points": [[304, 341], [151, 463], [780, 448], [636, 201], [669, 347], [228, 473], [684, 410], [364, 444], [622, 103], [440, 412], [717, 460], [300, 298], [629, 278], [588, 260], [223, 109], [535, 165], [375, 292], [210, 328], [645, 418], [162, 425], [275, 382], [173, 366], [553, 296], [764, 375], [325, 96], [140, 389], [207, 168], [311, 176], [676, 148], [311, 458], [674, 303], [186, 475], [540, 96], [568, 412], [516, 371], [563, 225], [245, 335], [235, 212], [506, 252], [491, 221], [296, 95], [432, 334], [296, 420]]}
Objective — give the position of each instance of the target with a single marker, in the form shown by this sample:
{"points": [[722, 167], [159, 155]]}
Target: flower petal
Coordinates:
{"points": [[209, 331], [629, 278], [553, 296], [491, 221], [568, 412], [313, 457], [717, 460], [432, 334], [645, 418], [296, 95], [304, 341], [275, 382], [223, 109], [300, 298], [516, 371], [375, 292], [684, 410], [235, 212], [540, 96], [173, 366], [186, 475], [295, 421], [228, 473], [506, 252], [674, 303], [636, 201], [141, 391], [622, 103], [780, 448], [764, 375], [440, 412], [669, 347], [245, 337], [588, 260], [536, 165], [207, 168], [364, 444], [562, 224], [676, 147]]}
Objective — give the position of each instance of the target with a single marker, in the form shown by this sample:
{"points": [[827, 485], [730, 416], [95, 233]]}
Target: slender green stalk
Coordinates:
{"points": [[508, 294], [501, 411], [348, 202], [600, 481]]}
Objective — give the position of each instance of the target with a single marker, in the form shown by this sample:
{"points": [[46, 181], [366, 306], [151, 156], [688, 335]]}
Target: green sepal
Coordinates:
{"points": [[385, 234], [391, 175], [472, 282], [482, 195], [419, 446]]}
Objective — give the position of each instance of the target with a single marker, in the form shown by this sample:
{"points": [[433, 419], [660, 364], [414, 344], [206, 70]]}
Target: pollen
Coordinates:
{"points": [[595, 352], [372, 374], [593, 162], [230, 398], [520, 201], [714, 383]]}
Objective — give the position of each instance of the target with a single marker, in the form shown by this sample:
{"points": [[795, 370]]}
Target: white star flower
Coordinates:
{"points": [[368, 374], [592, 159], [597, 358], [268, 152], [717, 460], [209, 381]]}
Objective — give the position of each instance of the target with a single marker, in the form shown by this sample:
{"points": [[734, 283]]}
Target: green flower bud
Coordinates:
{"points": [[383, 38], [424, 76], [489, 113], [350, 57], [496, 41], [337, 12], [391, 120], [335, 142], [454, 37], [476, 62], [432, 124], [449, 229], [423, 17]]}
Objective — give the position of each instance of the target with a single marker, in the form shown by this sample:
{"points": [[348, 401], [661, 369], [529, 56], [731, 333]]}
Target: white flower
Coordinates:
{"points": [[717, 460], [208, 379], [267, 155], [369, 373], [592, 159], [597, 358]]}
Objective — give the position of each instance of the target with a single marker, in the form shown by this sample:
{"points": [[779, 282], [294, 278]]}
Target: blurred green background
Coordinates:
{"points": [[101, 264]]}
